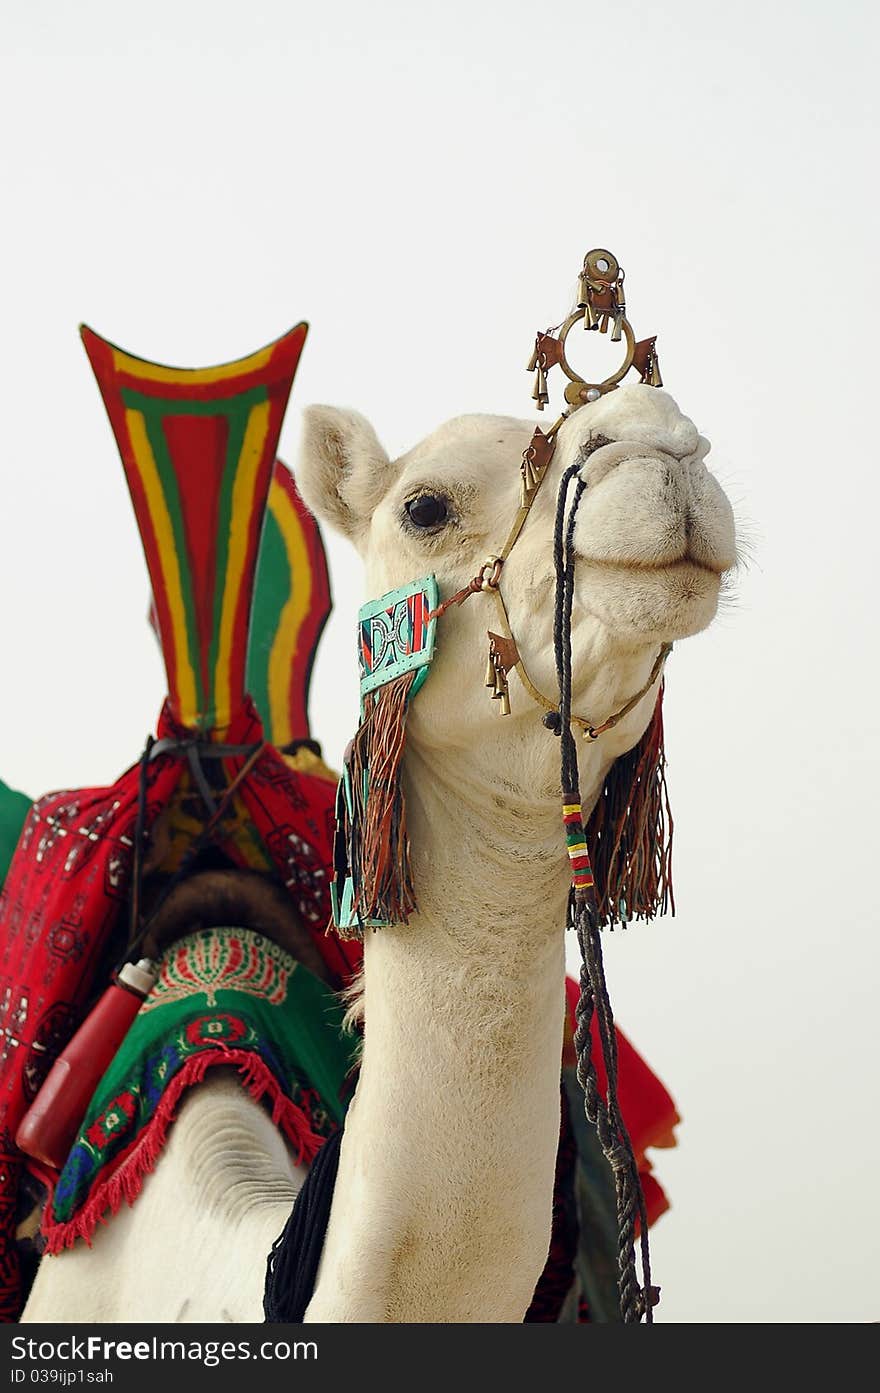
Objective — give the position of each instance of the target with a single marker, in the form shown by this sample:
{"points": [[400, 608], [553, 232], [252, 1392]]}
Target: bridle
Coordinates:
{"points": [[504, 652], [600, 303]]}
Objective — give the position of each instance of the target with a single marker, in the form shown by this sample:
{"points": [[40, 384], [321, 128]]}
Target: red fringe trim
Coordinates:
{"points": [[126, 1181], [374, 829], [630, 832]]}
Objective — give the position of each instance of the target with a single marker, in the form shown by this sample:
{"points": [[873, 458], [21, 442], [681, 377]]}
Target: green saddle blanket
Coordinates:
{"points": [[224, 997], [14, 808]]}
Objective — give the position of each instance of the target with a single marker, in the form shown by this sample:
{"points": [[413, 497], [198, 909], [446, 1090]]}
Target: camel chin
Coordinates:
{"points": [[649, 604]]}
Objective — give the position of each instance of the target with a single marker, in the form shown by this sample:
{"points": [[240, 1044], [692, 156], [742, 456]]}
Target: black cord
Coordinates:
{"points": [[140, 834], [636, 1300], [292, 1266]]}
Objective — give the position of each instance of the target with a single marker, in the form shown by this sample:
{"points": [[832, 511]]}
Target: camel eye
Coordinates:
{"points": [[428, 510]]}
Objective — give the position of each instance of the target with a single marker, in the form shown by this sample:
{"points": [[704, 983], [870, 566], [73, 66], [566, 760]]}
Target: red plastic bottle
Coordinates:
{"points": [[49, 1127]]}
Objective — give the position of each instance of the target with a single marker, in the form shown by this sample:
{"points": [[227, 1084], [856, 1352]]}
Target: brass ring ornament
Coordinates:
{"points": [[579, 391], [601, 303]]}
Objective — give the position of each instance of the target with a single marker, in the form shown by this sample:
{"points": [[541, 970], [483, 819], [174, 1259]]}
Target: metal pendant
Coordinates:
{"points": [[503, 656]]}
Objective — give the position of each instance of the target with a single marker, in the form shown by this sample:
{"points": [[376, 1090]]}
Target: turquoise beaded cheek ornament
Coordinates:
{"points": [[372, 885]]}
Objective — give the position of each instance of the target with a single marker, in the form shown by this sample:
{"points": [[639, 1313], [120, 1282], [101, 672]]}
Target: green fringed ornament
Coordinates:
{"points": [[372, 885]]}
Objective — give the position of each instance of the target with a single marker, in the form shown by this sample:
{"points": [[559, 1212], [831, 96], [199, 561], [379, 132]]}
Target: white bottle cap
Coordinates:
{"points": [[140, 977]]}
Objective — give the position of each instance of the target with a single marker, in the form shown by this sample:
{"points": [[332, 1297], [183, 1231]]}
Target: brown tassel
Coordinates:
{"points": [[375, 832], [630, 833]]}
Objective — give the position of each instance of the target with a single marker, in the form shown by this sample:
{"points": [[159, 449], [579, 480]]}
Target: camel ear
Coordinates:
{"points": [[343, 473]]}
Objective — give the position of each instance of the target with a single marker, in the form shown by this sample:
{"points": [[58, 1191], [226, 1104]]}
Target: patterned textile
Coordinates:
{"points": [[396, 634], [198, 447], [69, 882], [291, 606], [224, 997]]}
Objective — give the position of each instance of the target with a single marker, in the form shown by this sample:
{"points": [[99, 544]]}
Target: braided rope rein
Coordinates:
{"points": [[636, 1299]]}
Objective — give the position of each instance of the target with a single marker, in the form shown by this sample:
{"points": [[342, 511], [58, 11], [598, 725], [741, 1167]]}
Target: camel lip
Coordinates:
{"points": [[682, 563]]}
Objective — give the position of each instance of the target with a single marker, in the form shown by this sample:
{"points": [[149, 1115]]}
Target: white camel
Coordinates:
{"points": [[443, 1201]]}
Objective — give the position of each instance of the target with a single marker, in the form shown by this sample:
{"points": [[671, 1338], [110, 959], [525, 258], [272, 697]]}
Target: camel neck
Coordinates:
{"points": [[444, 1193]]}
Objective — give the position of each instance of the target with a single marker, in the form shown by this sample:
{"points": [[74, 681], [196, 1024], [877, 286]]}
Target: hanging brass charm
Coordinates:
{"points": [[496, 679], [619, 310], [647, 363], [503, 656], [536, 457], [601, 305], [539, 391], [529, 477]]}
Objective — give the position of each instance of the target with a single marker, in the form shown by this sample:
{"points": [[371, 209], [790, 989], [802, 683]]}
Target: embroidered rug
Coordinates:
{"points": [[224, 997]]}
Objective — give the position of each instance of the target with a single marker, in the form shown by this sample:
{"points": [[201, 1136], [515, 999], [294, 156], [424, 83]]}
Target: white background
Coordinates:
{"points": [[421, 184]]}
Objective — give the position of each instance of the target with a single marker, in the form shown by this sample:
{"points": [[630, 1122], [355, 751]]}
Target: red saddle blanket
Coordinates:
{"points": [[69, 882]]}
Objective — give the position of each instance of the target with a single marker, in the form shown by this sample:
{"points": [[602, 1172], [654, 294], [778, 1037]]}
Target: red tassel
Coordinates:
{"points": [[374, 831], [630, 833]]}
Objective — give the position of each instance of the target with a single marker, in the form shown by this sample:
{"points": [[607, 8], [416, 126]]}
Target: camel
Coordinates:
{"points": [[442, 1205]]}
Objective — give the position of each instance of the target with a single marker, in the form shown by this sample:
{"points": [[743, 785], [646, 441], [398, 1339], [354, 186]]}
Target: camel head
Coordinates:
{"points": [[654, 537]]}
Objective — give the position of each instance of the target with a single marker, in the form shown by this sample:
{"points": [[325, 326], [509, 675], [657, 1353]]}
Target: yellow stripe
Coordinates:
{"points": [[296, 608], [241, 516], [571, 808], [185, 696], [186, 377], [577, 848]]}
